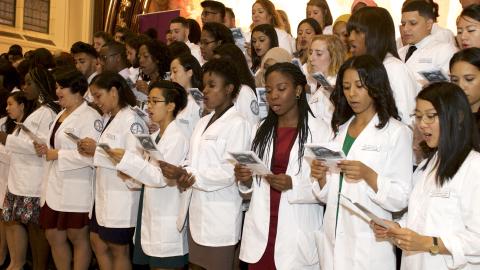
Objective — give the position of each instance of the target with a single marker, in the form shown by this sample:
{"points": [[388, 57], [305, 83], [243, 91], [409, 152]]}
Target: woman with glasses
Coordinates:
{"points": [[213, 35], [465, 72], [441, 229], [376, 172], [159, 242]]}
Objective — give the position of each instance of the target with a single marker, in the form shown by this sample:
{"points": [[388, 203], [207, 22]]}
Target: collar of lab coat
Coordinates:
{"points": [[72, 117], [224, 117], [424, 42], [365, 132]]}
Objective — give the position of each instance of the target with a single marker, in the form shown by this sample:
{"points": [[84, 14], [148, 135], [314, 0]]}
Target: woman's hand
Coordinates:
{"points": [[142, 86], [355, 171], [40, 148], [51, 154], [243, 174], [280, 182], [171, 171], [116, 154], [186, 181], [382, 232], [86, 147], [319, 172], [409, 240]]}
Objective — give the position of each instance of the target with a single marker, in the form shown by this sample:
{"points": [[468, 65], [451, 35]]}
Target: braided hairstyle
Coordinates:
{"points": [[267, 130], [45, 82], [172, 92]]}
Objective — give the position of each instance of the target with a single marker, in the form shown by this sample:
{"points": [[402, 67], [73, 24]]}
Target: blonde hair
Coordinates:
{"points": [[335, 48]]}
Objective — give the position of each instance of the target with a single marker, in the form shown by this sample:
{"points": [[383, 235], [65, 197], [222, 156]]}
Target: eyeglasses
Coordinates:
{"points": [[155, 101], [105, 57], [205, 43], [428, 118], [208, 13]]}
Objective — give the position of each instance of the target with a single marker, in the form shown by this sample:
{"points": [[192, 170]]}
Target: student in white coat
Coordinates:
{"points": [[284, 213], [25, 175], [320, 11], [326, 55], [246, 101], [116, 195], [67, 195], [368, 36], [376, 172], [441, 229], [215, 211], [18, 109], [423, 52], [468, 24], [158, 243], [186, 71]]}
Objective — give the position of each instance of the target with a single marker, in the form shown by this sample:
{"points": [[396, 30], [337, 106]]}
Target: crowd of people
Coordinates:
{"points": [[121, 153]]}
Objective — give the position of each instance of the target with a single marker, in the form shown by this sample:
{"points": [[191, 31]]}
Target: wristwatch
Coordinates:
{"points": [[434, 249]]}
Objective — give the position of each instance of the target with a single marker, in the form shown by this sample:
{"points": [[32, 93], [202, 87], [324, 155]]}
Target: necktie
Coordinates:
{"points": [[158, 138], [410, 51]]}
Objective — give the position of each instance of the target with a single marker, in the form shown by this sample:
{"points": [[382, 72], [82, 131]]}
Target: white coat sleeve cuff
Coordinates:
{"points": [[320, 193], [128, 164], [244, 189], [383, 189], [456, 258], [70, 159]]}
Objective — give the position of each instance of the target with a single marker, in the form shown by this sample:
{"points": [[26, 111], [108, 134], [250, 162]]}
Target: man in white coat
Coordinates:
{"points": [[180, 29], [423, 52]]}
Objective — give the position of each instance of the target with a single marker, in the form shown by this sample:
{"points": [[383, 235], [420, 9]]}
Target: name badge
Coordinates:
{"points": [[183, 121], [110, 136], [369, 147], [69, 130], [34, 124], [425, 60], [210, 137], [440, 194], [314, 100]]}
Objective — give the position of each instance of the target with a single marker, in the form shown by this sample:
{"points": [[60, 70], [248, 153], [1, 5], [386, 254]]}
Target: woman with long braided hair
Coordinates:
{"points": [[283, 213]]}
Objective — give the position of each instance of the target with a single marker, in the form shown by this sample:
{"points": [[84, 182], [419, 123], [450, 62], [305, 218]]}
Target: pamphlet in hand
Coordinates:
{"points": [[239, 38], [149, 145], [142, 114], [262, 102], [362, 211], [72, 136], [434, 75], [30, 134], [328, 153], [322, 80], [251, 161]]}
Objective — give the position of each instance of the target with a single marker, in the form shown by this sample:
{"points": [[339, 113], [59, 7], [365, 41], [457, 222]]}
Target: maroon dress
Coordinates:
{"points": [[281, 153]]}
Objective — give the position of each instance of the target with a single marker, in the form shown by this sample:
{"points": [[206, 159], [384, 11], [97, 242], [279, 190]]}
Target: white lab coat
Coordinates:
{"points": [[450, 212], [300, 212], [319, 99], [247, 105], [388, 151], [215, 212], [116, 197], [69, 179], [4, 165], [25, 175], [129, 76], [189, 116], [430, 55], [404, 87], [162, 197]]}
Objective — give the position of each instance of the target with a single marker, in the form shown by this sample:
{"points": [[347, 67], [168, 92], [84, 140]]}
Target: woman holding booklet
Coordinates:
{"points": [[376, 172], [67, 196], [441, 229], [160, 240], [283, 214], [116, 194], [22, 202], [215, 212]]}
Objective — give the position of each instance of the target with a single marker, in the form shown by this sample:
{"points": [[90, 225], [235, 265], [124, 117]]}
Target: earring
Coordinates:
{"points": [[298, 97]]}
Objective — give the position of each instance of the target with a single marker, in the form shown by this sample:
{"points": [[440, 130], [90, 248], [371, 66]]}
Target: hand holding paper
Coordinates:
{"points": [[251, 161]]}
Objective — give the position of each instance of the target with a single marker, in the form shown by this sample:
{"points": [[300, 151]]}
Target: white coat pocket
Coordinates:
{"points": [[307, 253], [220, 217]]}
